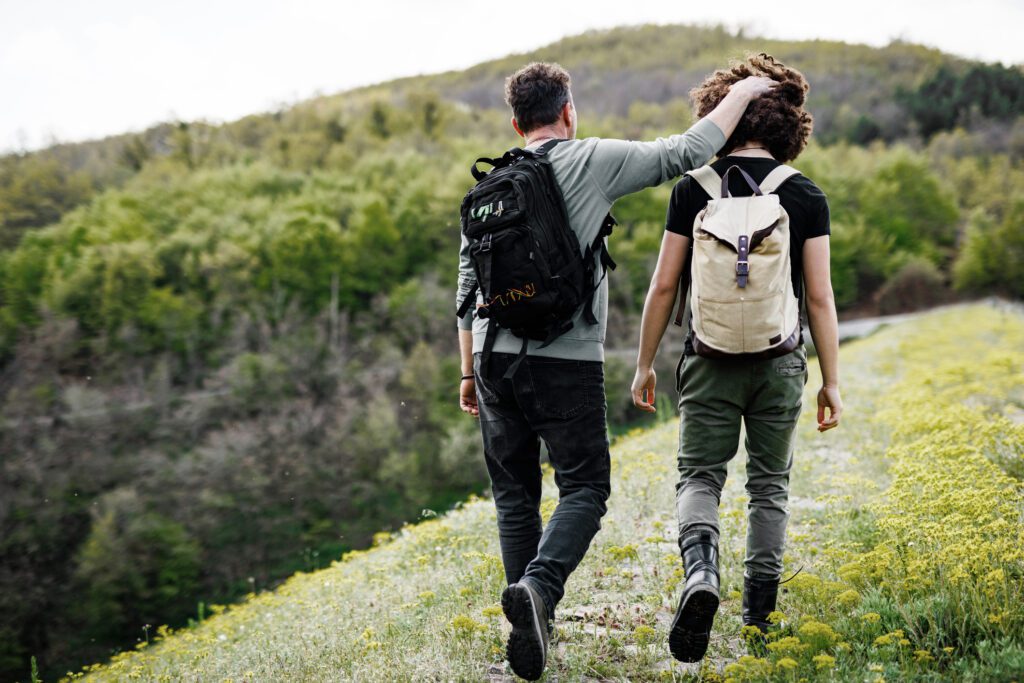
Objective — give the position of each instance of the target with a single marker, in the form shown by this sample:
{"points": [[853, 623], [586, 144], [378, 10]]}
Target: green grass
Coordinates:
{"points": [[422, 605]]}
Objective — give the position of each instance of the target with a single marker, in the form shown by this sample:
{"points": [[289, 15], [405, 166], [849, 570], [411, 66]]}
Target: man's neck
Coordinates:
{"points": [[542, 135]]}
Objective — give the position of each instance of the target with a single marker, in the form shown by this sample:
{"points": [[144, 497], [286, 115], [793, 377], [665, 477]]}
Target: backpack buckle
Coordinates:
{"points": [[485, 243], [742, 272]]}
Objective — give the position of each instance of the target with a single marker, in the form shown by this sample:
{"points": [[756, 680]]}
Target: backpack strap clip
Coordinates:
{"points": [[742, 262]]}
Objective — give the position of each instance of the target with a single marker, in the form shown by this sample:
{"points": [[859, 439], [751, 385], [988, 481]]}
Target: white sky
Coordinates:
{"points": [[72, 70]]}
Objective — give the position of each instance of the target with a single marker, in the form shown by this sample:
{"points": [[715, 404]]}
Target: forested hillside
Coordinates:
{"points": [[227, 351]]}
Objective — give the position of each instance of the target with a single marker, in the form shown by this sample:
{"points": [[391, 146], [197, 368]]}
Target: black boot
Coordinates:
{"points": [[760, 593], [527, 647], [691, 628]]}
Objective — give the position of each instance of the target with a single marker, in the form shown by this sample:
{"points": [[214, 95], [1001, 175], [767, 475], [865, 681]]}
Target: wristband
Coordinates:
{"points": [[465, 377]]}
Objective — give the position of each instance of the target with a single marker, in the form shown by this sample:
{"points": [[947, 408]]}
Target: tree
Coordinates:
{"points": [[993, 254], [904, 200], [135, 568], [36, 191], [380, 115], [302, 257], [948, 98]]}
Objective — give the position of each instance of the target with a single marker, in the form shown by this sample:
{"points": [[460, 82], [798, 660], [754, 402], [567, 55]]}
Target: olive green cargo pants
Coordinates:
{"points": [[714, 396]]}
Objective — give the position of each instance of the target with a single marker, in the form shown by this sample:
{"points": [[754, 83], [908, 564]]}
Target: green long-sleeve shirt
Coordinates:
{"points": [[593, 173]]}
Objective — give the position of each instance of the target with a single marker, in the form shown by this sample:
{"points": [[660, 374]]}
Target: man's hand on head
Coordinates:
{"points": [[753, 86], [730, 110]]}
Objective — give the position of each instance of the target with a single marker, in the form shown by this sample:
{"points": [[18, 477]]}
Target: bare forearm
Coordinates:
{"points": [[657, 311], [825, 332], [466, 351]]}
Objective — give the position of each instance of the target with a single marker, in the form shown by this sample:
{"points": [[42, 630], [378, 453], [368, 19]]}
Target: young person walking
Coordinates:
{"points": [[555, 392], [728, 240]]}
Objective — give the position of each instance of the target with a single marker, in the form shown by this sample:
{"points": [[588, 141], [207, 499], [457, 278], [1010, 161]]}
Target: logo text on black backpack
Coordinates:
{"points": [[513, 295]]}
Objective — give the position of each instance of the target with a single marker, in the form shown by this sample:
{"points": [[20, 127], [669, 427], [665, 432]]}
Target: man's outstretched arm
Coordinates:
{"points": [[621, 167]]}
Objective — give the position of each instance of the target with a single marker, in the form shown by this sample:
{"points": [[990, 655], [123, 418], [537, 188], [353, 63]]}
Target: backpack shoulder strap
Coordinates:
{"points": [[542, 151], [774, 180], [708, 179]]}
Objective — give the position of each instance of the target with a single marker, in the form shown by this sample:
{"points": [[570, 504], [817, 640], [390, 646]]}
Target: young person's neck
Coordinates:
{"points": [[751, 149]]}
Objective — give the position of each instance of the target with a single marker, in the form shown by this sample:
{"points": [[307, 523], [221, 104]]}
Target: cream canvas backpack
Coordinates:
{"points": [[741, 286]]}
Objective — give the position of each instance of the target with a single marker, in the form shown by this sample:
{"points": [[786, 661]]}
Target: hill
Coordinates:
{"points": [[905, 538], [860, 94], [227, 351]]}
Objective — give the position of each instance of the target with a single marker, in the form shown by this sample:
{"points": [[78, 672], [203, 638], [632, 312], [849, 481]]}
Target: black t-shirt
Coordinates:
{"points": [[800, 197]]}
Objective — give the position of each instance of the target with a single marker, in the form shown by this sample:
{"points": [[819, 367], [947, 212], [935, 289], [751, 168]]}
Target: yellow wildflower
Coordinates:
{"points": [[644, 635], [824, 661], [787, 664]]}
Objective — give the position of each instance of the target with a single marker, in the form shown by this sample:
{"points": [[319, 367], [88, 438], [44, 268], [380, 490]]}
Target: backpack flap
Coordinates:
{"points": [[493, 207], [726, 220]]}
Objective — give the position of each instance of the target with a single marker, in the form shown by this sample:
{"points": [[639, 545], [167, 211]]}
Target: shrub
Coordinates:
{"points": [[918, 284]]}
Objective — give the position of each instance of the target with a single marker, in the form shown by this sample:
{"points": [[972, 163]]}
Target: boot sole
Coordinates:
{"points": [[525, 649], [691, 628]]}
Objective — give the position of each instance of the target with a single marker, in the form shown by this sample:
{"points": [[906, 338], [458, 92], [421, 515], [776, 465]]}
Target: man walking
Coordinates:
{"points": [[556, 392]]}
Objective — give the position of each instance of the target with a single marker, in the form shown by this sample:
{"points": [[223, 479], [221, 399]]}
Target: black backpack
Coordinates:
{"points": [[527, 260]]}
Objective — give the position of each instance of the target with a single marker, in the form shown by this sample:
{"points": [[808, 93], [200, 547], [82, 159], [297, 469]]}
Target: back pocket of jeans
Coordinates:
{"points": [[566, 388]]}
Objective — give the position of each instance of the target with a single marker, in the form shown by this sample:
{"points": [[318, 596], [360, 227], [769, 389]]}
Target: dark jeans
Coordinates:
{"points": [[563, 403]]}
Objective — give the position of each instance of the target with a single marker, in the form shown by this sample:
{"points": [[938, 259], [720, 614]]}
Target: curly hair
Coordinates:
{"points": [[537, 93], [777, 119]]}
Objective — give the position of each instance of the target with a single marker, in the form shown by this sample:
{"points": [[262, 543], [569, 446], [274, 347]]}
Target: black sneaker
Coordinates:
{"points": [[528, 643]]}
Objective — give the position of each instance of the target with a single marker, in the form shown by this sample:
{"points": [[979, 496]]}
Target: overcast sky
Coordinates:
{"points": [[73, 70]]}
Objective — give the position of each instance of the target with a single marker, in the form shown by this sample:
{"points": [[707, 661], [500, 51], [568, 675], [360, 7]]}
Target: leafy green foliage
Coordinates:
{"points": [[950, 97], [134, 567], [905, 201], [993, 254], [36, 191]]}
